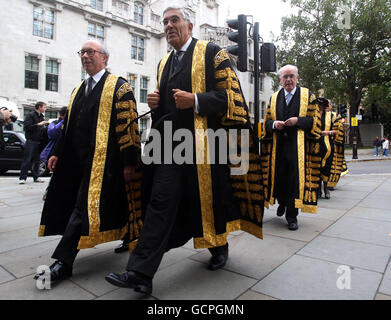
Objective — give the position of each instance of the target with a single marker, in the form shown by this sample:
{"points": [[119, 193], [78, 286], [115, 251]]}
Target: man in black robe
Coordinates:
{"points": [[289, 148], [197, 90], [92, 196]]}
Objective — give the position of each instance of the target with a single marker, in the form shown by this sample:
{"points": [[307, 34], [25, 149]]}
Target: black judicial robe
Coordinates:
{"points": [[223, 203], [98, 139], [298, 145], [333, 158]]}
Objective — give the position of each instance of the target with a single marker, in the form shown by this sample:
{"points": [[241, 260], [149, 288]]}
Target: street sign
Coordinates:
{"points": [[354, 122]]}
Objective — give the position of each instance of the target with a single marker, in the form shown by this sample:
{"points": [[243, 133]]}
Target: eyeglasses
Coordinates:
{"points": [[291, 76], [173, 20], [90, 52]]}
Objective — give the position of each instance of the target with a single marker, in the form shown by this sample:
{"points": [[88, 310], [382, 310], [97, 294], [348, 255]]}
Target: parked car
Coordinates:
{"points": [[12, 156]]}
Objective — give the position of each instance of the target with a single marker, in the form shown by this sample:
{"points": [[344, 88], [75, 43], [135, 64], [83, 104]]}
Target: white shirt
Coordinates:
{"points": [[292, 92], [386, 144], [95, 78]]}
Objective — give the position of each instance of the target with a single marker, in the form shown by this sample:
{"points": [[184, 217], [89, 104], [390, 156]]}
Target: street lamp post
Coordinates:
{"points": [[355, 106]]}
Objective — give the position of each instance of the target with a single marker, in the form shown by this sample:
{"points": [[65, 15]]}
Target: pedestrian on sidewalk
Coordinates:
{"points": [[54, 133], [93, 195], [290, 148], [385, 145], [35, 128], [197, 89], [377, 145]]}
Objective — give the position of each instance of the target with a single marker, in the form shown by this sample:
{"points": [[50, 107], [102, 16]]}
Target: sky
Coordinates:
{"points": [[267, 12]]}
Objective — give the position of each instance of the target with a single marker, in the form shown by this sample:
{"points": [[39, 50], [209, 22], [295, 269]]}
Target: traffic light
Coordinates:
{"points": [[342, 110], [268, 57], [240, 37]]}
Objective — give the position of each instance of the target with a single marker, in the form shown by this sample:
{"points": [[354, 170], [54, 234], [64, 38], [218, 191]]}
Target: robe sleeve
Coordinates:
{"points": [[338, 126], [312, 127], [225, 99], [128, 136]]}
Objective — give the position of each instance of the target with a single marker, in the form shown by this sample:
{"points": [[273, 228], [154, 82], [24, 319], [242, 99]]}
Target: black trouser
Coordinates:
{"points": [[169, 188], [286, 183], [30, 160], [66, 249]]}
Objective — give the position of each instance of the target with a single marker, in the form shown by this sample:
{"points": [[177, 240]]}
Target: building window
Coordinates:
{"points": [[97, 4], [143, 89], [138, 13], [50, 115], [96, 31], [132, 80], [43, 22], [31, 72], [52, 75], [137, 50]]}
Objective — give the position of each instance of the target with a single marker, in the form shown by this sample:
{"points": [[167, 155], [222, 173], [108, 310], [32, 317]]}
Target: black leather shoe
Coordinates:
{"points": [[132, 280], [122, 248], [58, 271], [293, 226], [218, 261], [280, 211]]}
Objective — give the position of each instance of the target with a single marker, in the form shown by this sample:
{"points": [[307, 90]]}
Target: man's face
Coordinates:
{"points": [[92, 59], [289, 78], [176, 28], [42, 109]]}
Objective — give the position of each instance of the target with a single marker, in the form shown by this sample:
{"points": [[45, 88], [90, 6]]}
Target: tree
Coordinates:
{"points": [[322, 44]]}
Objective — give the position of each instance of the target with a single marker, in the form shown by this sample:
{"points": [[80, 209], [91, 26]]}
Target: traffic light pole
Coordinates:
{"points": [[256, 82]]}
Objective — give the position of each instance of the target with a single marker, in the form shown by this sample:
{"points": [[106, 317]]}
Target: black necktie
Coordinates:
{"points": [[176, 60], [89, 85]]}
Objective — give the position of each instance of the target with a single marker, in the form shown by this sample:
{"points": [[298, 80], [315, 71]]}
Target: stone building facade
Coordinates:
{"points": [[41, 38]]}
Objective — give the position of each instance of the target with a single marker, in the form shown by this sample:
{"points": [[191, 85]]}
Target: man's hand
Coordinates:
{"points": [[279, 125], [153, 100], [42, 123], [292, 122], [129, 173], [52, 162], [183, 99]]}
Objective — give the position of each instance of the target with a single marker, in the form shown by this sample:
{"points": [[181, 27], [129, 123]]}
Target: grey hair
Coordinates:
{"points": [[286, 67], [185, 13]]}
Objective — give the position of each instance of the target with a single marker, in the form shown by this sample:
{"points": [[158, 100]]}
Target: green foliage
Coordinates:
{"points": [[323, 51]]}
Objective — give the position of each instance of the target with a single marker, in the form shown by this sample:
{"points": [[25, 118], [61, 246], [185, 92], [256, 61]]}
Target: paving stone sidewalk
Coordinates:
{"points": [[343, 253]]}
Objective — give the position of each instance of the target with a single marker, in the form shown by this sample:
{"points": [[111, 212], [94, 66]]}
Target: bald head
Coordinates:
{"points": [[94, 56]]}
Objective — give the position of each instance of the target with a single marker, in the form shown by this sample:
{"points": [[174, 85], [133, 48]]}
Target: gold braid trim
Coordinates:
{"points": [[221, 239], [327, 138], [201, 141], [304, 96], [73, 96], [124, 89], [221, 56], [161, 68], [96, 237]]}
